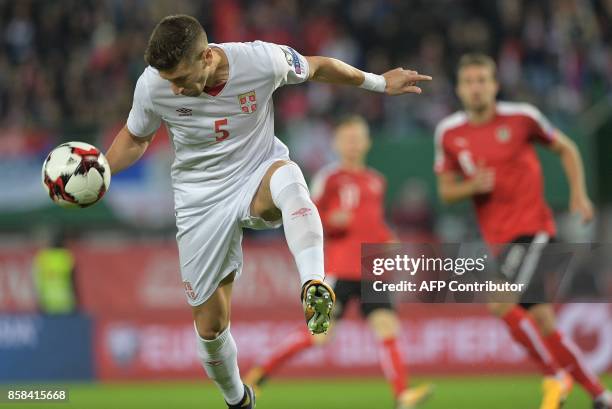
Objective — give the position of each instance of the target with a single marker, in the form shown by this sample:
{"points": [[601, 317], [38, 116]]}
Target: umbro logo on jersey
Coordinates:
{"points": [[184, 111]]}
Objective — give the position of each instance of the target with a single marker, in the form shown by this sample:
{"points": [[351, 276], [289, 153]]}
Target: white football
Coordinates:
{"points": [[76, 174]]}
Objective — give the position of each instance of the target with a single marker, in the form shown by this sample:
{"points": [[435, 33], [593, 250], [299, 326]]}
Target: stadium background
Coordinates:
{"points": [[67, 71]]}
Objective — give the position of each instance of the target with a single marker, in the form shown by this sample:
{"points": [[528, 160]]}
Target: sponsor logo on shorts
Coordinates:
{"points": [[189, 290], [304, 211]]}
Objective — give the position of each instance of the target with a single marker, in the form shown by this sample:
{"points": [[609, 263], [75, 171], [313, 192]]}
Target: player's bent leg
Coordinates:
{"points": [[566, 352], [217, 348], [283, 192], [525, 331], [213, 316], [385, 324], [556, 384], [262, 204]]}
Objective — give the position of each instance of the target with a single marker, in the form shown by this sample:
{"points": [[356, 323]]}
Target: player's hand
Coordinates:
{"points": [[401, 81], [340, 218], [581, 204], [483, 180]]}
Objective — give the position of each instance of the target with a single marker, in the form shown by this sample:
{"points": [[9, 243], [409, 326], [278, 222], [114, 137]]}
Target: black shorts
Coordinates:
{"points": [[525, 261], [346, 290]]}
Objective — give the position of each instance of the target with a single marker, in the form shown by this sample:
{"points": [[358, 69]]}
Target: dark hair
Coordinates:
{"points": [[173, 39], [478, 59]]}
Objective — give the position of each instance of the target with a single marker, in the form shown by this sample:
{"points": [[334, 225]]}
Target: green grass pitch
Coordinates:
{"points": [[470, 392]]}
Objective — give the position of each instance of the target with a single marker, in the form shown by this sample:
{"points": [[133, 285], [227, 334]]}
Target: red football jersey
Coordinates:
{"points": [[361, 193], [516, 206]]}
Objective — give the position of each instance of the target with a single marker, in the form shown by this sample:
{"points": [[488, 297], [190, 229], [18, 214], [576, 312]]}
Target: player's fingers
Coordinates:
{"points": [[412, 89], [419, 77]]}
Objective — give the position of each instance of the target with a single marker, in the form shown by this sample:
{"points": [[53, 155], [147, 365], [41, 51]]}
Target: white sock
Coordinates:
{"points": [[301, 221], [219, 358]]}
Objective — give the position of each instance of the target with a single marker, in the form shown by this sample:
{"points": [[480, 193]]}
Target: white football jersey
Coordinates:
{"points": [[219, 140]]}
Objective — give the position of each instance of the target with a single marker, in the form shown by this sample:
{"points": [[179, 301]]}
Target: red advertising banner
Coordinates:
{"points": [[144, 328], [119, 277], [145, 278], [435, 339]]}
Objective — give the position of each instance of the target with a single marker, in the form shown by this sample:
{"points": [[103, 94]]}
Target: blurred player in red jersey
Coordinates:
{"points": [[486, 153], [350, 199]]}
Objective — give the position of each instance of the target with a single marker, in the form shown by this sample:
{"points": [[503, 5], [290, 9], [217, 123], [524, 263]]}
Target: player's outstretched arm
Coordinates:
{"points": [[126, 149], [395, 82], [574, 171]]}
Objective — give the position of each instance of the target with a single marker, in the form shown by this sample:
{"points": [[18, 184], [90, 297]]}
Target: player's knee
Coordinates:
{"points": [[288, 176], [279, 176], [211, 327], [384, 323], [499, 309], [279, 164], [212, 332], [544, 317]]}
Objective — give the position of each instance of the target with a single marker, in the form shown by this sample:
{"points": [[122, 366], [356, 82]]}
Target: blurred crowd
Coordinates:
{"points": [[68, 62]]}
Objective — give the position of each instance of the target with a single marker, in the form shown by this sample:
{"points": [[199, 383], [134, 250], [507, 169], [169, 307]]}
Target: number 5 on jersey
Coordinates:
{"points": [[221, 134]]}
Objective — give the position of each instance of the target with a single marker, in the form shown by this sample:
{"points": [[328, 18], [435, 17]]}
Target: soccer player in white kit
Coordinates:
{"points": [[231, 172]]}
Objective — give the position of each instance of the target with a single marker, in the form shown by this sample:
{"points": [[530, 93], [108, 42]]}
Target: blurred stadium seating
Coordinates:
{"points": [[67, 72]]}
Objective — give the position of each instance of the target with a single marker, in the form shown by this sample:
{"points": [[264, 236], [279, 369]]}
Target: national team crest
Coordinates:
{"points": [[248, 102], [503, 134]]}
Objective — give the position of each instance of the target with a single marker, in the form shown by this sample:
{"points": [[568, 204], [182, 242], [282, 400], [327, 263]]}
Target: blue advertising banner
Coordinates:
{"points": [[41, 348]]}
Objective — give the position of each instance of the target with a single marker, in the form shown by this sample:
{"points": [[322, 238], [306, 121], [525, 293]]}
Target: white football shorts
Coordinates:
{"points": [[210, 242]]}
